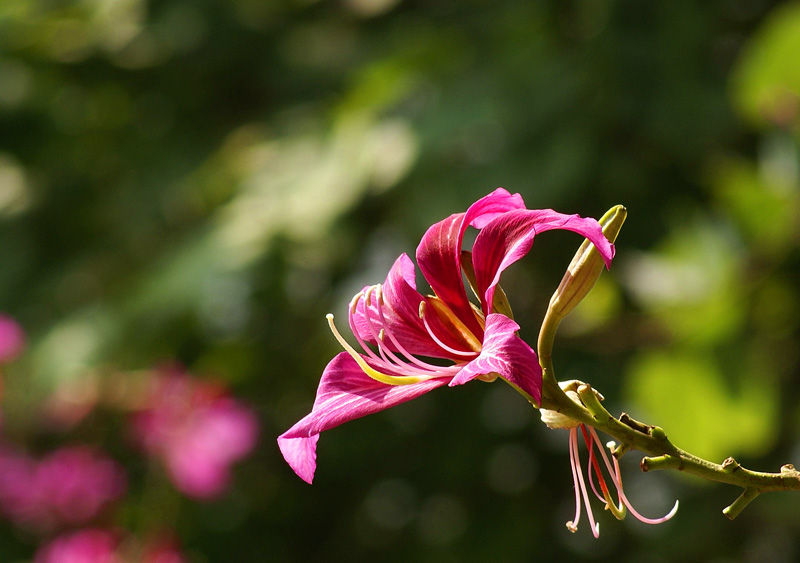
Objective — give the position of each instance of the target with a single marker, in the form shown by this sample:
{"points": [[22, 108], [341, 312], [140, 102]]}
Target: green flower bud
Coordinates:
{"points": [[585, 268]]}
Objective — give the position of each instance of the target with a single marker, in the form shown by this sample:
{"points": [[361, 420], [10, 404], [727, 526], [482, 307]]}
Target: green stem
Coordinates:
{"points": [[581, 275], [547, 336], [740, 503], [662, 454]]}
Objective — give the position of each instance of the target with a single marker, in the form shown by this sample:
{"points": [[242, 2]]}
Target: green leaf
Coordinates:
{"points": [[705, 410]]}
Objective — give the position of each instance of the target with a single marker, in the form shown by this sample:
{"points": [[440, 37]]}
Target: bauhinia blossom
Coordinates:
{"points": [[100, 545], [12, 339], [619, 508], [196, 429], [72, 485], [395, 325]]}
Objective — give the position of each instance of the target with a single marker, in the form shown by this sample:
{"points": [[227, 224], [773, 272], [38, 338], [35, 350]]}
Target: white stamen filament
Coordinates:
{"points": [[406, 354], [388, 356], [576, 462], [616, 478], [367, 369], [424, 317], [383, 360], [394, 361], [572, 525]]}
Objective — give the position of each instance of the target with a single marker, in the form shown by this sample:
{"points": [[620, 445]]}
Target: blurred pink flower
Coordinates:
{"points": [[12, 339], [94, 545], [71, 486], [196, 430], [83, 546]]}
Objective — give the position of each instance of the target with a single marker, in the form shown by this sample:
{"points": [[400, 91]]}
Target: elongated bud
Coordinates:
{"points": [[585, 268]]}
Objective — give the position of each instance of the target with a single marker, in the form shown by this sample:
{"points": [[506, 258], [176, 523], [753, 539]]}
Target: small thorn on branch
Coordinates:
{"points": [[730, 465], [658, 433], [660, 462]]}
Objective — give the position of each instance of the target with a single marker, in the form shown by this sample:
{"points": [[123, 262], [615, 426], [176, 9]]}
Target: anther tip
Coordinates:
{"points": [[329, 316]]}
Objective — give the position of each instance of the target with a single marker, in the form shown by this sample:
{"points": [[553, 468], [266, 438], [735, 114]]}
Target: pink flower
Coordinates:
{"points": [[196, 430], [394, 324], [95, 545], [83, 546], [12, 339], [69, 486]]}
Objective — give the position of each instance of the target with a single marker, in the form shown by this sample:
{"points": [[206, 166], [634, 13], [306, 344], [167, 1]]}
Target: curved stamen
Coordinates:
{"points": [[638, 516], [572, 525], [378, 336], [616, 477], [382, 360], [435, 338], [400, 348], [419, 367], [353, 306], [617, 511], [387, 360], [592, 464], [367, 369], [574, 445], [450, 317]]}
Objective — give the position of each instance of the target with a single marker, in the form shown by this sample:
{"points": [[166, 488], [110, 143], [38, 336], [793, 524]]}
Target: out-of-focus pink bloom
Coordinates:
{"points": [[197, 431], [95, 545], [12, 339], [71, 486], [83, 546]]}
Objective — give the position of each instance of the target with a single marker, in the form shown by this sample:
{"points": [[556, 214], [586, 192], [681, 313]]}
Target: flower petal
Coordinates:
{"points": [[509, 237], [439, 251], [401, 302], [507, 355], [491, 206], [301, 455], [344, 393]]}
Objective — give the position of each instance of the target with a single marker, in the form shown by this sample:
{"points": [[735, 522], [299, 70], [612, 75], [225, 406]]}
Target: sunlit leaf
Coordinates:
{"points": [[766, 81], [711, 411]]}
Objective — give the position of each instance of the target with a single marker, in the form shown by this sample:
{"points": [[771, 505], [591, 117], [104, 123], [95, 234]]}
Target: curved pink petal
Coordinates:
{"points": [[301, 455], [506, 354], [439, 258], [439, 251], [491, 206], [509, 237], [345, 393], [401, 316]]}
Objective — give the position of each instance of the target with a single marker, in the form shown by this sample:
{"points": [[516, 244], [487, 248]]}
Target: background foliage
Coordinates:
{"points": [[200, 182]]}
